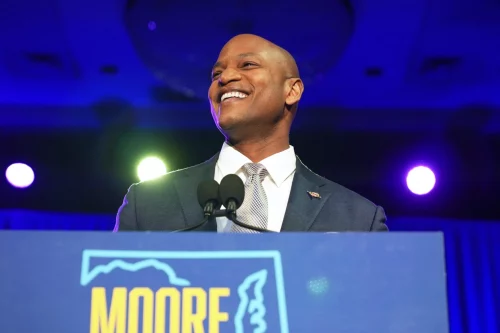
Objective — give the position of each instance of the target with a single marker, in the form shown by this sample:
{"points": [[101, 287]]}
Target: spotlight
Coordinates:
{"points": [[420, 180], [150, 168], [20, 175]]}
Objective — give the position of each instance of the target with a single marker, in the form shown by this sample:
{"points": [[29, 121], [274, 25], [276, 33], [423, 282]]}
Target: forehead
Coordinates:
{"points": [[243, 48], [238, 51]]}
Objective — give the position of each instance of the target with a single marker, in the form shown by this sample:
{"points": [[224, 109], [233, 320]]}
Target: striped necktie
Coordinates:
{"points": [[253, 211]]}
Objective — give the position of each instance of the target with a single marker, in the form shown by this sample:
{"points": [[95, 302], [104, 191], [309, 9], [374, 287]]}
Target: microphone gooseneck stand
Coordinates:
{"points": [[230, 213], [232, 217], [202, 223], [210, 211]]}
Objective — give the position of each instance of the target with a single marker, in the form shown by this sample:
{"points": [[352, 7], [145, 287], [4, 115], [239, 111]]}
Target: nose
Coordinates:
{"points": [[229, 75]]}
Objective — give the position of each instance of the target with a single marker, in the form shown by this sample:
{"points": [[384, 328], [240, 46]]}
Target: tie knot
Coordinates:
{"points": [[255, 169]]}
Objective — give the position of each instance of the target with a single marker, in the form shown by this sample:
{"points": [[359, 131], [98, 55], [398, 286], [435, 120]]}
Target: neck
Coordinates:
{"points": [[258, 149]]}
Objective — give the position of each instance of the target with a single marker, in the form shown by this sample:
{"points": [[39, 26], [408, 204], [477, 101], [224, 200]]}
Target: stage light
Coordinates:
{"points": [[150, 168], [20, 175], [420, 180]]}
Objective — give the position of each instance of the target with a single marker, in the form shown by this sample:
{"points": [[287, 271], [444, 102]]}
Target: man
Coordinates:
{"points": [[253, 96]]}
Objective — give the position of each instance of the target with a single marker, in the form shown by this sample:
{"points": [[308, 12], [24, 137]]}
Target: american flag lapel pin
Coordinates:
{"points": [[314, 194]]}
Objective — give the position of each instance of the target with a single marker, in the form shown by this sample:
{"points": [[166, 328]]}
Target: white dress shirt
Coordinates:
{"points": [[277, 184]]}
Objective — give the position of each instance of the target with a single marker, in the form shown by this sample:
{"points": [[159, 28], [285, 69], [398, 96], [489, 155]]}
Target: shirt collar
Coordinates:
{"points": [[280, 166]]}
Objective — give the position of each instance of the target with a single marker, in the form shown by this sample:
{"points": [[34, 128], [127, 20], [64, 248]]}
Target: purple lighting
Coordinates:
{"points": [[20, 175], [152, 25], [420, 180]]}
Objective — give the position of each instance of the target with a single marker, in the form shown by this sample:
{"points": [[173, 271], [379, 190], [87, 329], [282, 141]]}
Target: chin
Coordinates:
{"points": [[228, 121], [226, 127]]}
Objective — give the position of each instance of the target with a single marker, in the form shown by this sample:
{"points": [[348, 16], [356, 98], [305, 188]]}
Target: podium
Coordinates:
{"points": [[93, 282]]}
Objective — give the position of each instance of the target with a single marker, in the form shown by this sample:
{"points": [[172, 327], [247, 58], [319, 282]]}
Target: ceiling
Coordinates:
{"points": [[65, 64]]}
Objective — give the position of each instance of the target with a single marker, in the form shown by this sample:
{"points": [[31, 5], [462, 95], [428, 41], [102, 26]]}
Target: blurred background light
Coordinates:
{"points": [[150, 168], [20, 175], [421, 180]]}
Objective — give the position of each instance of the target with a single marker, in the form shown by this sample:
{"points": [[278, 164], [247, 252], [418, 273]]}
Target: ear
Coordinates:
{"points": [[294, 90]]}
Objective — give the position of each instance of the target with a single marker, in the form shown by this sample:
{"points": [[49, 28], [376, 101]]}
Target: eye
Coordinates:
{"points": [[248, 64], [215, 75]]}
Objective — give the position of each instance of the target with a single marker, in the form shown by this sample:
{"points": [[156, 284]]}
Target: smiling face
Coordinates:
{"points": [[249, 87]]}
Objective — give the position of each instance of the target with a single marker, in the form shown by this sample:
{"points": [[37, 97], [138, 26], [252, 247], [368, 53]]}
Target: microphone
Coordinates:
{"points": [[232, 194], [208, 198]]}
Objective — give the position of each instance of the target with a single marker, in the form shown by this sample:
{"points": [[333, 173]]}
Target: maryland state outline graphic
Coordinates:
{"points": [[184, 291]]}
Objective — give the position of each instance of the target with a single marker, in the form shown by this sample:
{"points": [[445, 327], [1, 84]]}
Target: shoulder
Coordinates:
{"points": [[362, 213], [347, 205], [169, 179], [344, 196], [148, 204], [165, 179]]}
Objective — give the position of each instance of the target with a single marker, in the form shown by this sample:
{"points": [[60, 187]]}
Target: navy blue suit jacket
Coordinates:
{"points": [[170, 202]]}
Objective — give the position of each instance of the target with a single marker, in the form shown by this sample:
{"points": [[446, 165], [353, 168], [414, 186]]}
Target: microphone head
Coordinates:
{"points": [[208, 191], [232, 187]]}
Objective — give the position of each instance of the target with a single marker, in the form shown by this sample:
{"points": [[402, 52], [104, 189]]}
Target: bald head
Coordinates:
{"points": [[255, 89], [281, 56]]}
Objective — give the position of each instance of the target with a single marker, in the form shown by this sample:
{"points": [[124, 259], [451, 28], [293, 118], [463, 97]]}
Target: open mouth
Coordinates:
{"points": [[233, 95]]}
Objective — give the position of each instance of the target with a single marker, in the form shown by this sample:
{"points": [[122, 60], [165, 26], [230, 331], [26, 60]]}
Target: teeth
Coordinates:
{"points": [[236, 94]]}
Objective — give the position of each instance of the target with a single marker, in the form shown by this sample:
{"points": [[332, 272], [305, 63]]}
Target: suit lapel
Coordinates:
{"points": [[303, 204], [187, 188]]}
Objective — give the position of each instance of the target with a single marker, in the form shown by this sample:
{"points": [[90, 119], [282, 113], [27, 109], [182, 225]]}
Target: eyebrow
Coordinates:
{"points": [[241, 56]]}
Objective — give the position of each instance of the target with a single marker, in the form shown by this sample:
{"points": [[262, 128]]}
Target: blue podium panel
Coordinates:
{"points": [[96, 282]]}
